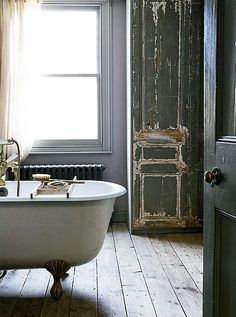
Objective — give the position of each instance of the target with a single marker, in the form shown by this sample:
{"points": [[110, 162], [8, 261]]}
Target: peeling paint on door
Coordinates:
{"points": [[167, 112]]}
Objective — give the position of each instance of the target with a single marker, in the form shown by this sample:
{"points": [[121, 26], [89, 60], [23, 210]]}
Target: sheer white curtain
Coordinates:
{"points": [[19, 26]]}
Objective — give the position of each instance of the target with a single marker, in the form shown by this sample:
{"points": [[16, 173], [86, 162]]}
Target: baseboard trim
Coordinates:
{"points": [[119, 216], [165, 230], [122, 217]]}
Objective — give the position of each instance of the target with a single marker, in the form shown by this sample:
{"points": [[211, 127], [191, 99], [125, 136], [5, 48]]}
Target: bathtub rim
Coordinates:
{"points": [[117, 190]]}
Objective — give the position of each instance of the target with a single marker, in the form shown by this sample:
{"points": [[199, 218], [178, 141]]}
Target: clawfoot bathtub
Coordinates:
{"points": [[54, 231]]}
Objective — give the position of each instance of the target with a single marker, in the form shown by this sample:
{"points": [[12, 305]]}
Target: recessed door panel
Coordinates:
{"points": [[229, 68], [159, 196], [225, 263], [220, 155]]}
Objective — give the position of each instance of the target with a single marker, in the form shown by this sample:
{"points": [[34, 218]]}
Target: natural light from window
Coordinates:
{"points": [[69, 65]]}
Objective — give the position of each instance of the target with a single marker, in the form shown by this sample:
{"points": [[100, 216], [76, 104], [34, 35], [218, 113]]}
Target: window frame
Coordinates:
{"points": [[104, 142]]}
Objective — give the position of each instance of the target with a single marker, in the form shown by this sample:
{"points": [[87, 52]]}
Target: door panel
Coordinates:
{"points": [[167, 122], [229, 67], [220, 151], [226, 161], [225, 265]]}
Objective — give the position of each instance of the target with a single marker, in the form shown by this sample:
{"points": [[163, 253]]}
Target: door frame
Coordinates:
{"points": [[210, 106], [210, 77]]}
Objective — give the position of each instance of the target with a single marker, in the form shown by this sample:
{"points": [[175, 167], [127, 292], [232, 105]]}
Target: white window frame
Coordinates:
{"points": [[104, 142]]}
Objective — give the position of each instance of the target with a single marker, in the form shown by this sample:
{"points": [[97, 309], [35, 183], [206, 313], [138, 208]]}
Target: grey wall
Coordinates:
{"points": [[116, 170]]}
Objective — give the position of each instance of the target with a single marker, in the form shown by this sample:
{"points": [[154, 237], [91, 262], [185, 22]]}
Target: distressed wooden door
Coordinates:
{"points": [[220, 156], [167, 115]]}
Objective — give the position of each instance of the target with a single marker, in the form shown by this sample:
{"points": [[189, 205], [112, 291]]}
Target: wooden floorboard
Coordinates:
{"points": [[138, 275], [32, 294], [136, 293], [110, 293], [181, 281], [188, 254], [164, 299], [10, 289], [84, 293]]}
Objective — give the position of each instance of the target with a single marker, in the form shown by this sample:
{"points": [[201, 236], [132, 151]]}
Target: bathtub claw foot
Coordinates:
{"points": [[57, 268]]}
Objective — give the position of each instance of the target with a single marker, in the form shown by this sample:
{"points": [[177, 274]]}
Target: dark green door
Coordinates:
{"points": [[166, 120], [220, 152]]}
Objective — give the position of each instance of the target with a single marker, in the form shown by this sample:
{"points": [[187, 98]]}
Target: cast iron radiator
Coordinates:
{"points": [[82, 171]]}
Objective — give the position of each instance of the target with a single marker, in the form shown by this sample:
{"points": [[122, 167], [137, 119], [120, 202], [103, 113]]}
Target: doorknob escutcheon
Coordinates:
{"points": [[213, 177]]}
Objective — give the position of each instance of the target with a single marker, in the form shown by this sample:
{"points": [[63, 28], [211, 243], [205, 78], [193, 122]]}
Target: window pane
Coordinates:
{"points": [[69, 41], [68, 108]]}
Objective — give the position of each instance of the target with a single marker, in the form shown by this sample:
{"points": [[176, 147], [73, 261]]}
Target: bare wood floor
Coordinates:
{"points": [[148, 275]]}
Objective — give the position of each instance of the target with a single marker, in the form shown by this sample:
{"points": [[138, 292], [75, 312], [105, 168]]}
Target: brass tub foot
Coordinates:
{"points": [[57, 268]]}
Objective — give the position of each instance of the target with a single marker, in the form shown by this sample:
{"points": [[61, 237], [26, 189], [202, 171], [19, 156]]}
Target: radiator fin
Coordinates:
{"points": [[82, 171]]}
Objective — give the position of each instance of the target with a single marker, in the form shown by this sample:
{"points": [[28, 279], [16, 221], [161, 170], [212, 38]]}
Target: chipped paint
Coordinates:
{"points": [[136, 170], [151, 221], [160, 214], [155, 9], [177, 6], [161, 135], [166, 108], [169, 70], [191, 221], [187, 6], [168, 223]]}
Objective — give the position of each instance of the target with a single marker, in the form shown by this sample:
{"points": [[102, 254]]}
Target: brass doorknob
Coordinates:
{"points": [[213, 177]]}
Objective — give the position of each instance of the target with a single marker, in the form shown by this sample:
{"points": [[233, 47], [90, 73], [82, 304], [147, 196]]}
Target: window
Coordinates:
{"points": [[75, 84]]}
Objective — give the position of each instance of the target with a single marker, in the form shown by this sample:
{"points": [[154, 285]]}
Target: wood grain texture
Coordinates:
{"points": [[84, 293], [108, 279], [139, 275], [210, 53], [136, 293], [181, 281], [167, 108]]}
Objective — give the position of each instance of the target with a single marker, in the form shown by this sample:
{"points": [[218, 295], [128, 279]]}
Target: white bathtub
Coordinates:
{"points": [[38, 231]]}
